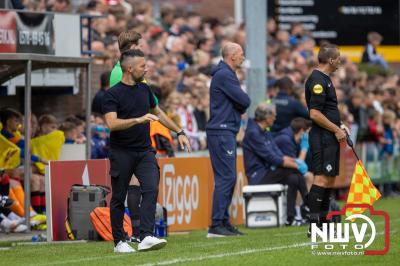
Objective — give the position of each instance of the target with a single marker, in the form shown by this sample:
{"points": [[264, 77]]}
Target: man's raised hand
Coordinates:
{"points": [[147, 118]]}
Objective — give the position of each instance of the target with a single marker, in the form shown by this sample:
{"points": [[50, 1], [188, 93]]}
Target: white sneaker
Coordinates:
{"points": [[151, 243], [123, 247], [20, 228], [13, 217], [7, 225]]}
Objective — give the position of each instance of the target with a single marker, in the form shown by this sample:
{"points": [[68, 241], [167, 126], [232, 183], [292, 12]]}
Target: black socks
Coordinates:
{"points": [[325, 205], [315, 199]]}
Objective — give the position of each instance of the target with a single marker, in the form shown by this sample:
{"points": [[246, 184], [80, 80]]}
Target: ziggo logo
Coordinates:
{"points": [[180, 195]]}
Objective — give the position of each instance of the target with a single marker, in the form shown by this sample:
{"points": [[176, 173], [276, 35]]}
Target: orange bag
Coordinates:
{"points": [[100, 217]]}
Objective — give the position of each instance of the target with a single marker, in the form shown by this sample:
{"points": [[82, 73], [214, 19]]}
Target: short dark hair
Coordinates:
{"points": [[130, 54], [213, 22], [127, 38], [8, 113], [67, 126], [300, 123], [326, 52], [64, 1], [285, 84], [203, 40], [74, 119], [47, 119]]}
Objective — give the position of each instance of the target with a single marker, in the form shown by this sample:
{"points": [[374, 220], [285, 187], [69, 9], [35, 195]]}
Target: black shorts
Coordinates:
{"points": [[325, 152]]}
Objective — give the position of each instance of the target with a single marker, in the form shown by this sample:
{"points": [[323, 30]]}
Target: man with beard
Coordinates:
{"points": [[126, 107]]}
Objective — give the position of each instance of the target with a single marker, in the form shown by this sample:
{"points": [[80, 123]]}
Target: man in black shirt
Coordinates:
{"points": [[326, 132], [126, 107]]}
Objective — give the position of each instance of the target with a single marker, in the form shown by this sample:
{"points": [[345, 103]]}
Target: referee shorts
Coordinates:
{"points": [[325, 152]]}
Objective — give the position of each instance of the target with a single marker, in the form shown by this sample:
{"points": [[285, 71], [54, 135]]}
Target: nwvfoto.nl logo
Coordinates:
{"points": [[336, 237]]}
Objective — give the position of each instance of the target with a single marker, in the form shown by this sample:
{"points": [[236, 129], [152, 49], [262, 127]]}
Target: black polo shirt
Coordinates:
{"points": [[130, 102], [321, 95]]}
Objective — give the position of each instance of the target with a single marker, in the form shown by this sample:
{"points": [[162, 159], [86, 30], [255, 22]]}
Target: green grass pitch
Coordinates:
{"points": [[274, 246]]}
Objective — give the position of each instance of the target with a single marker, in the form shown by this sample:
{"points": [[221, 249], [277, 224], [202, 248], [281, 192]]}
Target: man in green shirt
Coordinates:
{"points": [[130, 40], [116, 74], [127, 40]]}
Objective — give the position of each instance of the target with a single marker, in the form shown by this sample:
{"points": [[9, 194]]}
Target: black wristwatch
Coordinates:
{"points": [[181, 133]]}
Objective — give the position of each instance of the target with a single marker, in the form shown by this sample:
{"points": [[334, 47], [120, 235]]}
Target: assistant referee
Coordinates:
{"points": [[326, 132], [126, 107]]}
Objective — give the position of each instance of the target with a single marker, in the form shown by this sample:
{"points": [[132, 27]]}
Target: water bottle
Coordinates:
{"points": [[156, 226], [39, 238], [35, 238], [161, 228], [43, 237]]}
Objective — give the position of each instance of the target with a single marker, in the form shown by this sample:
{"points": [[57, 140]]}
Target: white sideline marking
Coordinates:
{"points": [[200, 258], [222, 255], [247, 251]]}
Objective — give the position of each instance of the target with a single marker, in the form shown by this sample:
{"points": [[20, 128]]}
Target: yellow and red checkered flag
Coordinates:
{"points": [[362, 191]]}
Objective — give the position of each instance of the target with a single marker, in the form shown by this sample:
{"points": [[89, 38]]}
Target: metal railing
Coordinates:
{"points": [[89, 19]]}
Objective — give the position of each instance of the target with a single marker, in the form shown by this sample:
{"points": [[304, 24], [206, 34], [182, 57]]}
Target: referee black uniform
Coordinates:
{"points": [[325, 134], [324, 147]]}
